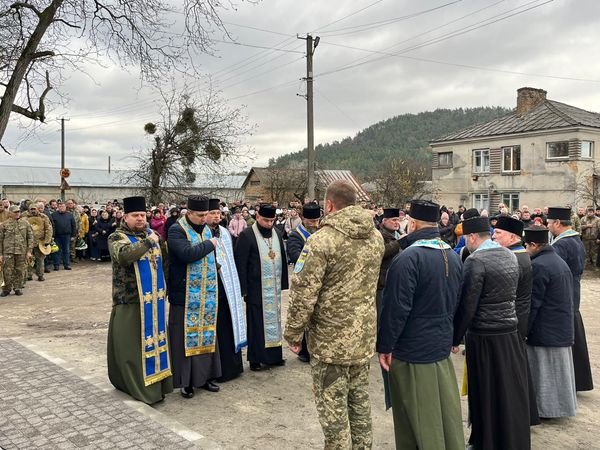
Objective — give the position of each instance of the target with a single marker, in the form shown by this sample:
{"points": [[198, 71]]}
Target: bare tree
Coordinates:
{"points": [[194, 135], [285, 184], [41, 38], [400, 181], [586, 187]]}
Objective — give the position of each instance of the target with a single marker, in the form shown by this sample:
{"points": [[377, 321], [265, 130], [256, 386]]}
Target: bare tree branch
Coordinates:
{"points": [[18, 5]]}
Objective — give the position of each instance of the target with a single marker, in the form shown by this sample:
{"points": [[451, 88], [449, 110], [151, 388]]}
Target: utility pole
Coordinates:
{"points": [[311, 45], [63, 181], [108, 163]]}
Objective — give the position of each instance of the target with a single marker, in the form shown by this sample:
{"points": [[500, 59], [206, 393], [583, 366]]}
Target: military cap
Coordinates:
{"points": [[13, 208], [267, 211], [134, 204], [389, 213], [214, 204], [536, 235], [511, 225], [424, 210], [476, 225], [559, 213], [197, 203], [311, 211]]}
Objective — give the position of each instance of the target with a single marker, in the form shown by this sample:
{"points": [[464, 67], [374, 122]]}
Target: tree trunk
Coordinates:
{"points": [[28, 55]]}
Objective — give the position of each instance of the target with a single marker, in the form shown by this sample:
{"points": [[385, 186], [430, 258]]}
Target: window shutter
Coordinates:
{"points": [[495, 160], [574, 149], [435, 160]]}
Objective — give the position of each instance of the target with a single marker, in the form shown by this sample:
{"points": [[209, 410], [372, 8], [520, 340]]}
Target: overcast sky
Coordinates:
{"points": [[550, 46]]}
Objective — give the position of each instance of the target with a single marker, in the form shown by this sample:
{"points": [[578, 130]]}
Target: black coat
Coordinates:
{"points": [[419, 302], [488, 293], [551, 317], [182, 253], [247, 261], [63, 223], [447, 233], [572, 251], [294, 245], [391, 250], [523, 301], [104, 228]]}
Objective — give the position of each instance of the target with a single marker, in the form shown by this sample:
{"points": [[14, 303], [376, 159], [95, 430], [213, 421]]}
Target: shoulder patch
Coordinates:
{"points": [[300, 263]]}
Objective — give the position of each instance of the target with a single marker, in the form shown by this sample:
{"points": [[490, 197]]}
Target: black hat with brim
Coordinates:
{"points": [[267, 211], [476, 225], [511, 225], [559, 213], [311, 211], [134, 204], [389, 213], [424, 210], [196, 203], [214, 204], [536, 235]]}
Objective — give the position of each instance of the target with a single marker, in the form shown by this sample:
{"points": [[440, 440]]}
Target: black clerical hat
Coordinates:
{"points": [[267, 211], [537, 235], [559, 213], [476, 225], [196, 203], [470, 213], [134, 204], [311, 211], [424, 210], [214, 204], [389, 213], [511, 225]]}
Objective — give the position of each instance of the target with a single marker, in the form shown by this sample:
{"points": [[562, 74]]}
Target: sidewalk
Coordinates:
{"points": [[44, 406]]}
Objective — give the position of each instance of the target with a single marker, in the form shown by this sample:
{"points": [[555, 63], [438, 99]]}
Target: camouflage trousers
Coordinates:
{"points": [[343, 405], [38, 268], [591, 251], [13, 270]]}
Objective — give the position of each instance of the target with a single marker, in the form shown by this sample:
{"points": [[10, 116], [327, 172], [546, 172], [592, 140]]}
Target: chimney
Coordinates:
{"points": [[528, 98]]}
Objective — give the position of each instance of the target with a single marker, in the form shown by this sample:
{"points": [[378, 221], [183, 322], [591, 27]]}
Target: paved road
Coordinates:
{"points": [[44, 406]]}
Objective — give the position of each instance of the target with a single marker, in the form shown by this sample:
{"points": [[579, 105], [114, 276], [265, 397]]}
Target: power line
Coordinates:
{"points": [[275, 49], [347, 16], [336, 106]]}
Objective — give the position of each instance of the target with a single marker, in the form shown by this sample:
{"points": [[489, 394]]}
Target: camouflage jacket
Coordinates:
{"points": [[123, 254], [3, 215], [16, 237], [589, 227], [333, 289], [77, 218], [576, 223], [42, 227]]}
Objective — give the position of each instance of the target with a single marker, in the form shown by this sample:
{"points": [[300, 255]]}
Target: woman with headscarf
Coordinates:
{"points": [[93, 236], [174, 215], [104, 229], [158, 223]]}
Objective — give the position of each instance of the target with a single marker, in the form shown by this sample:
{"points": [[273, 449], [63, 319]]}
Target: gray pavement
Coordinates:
{"points": [[44, 406]]}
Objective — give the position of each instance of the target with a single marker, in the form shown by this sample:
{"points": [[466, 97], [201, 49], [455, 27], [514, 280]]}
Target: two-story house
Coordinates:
{"points": [[542, 154]]}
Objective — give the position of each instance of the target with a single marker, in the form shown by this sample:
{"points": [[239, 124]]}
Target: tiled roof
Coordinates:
{"points": [[50, 176], [548, 115]]}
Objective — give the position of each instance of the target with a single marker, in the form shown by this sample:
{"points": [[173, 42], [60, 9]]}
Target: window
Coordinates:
{"points": [[445, 159], [557, 150], [255, 183], [511, 200], [511, 158], [587, 149], [481, 160], [481, 201]]}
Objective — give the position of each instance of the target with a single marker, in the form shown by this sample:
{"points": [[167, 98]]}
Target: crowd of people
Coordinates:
{"points": [[411, 284]]}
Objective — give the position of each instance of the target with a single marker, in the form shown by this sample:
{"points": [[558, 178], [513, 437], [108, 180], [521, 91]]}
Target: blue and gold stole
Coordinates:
{"points": [[303, 232], [151, 288], [201, 297], [435, 243], [270, 268], [565, 234], [518, 249]]}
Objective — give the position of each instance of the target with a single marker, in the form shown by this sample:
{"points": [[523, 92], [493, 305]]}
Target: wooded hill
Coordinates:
{"points": [[401, 137]]}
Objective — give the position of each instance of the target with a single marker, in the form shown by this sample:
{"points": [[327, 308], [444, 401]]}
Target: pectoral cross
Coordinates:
{"points": [[272, 254]]}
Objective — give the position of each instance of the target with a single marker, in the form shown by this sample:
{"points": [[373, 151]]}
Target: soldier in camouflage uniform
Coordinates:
{"points": [[72, 208], [16, 242], [3, 211], [124, 329], [333, 298], [42, 234]]}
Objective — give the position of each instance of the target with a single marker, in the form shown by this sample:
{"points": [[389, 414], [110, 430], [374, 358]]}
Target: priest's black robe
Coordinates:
{"points": [[231, 362]]}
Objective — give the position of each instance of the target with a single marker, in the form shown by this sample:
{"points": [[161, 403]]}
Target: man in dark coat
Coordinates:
{"points": [[193, 303], [65, 231], [262, 267], [496, 361], [415, 336], [568, 245], [550, 335], [311, 215], [508, 233]]}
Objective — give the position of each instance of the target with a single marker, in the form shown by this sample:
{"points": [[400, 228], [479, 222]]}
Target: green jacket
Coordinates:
{"points": [[123, 254], [16, 237], [333, 289]]}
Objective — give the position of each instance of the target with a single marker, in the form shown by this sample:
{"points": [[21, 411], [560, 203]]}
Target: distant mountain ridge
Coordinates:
{"points": [[401, 137]]}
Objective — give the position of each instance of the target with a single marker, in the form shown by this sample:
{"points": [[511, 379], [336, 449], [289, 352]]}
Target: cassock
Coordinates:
{"points": [[264, 342], [231, 323], [569, 247], [194, 305]]}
